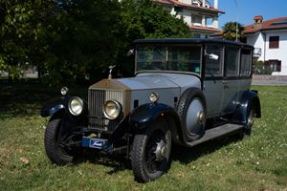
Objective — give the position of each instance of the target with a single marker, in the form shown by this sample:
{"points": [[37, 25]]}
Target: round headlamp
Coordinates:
{"points": [[112, 109], [153, 97], [76, 106], [64, 91]]}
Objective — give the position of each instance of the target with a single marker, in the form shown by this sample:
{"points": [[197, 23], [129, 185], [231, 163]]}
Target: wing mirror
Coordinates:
{"points": [[131, 52], [212, 56]]}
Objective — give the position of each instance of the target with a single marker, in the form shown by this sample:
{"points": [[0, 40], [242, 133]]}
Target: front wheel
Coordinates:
{"points": [[55, 142], [150, 156]]}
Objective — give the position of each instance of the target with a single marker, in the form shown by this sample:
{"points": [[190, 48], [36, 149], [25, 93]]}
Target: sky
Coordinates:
{"points": [[244, 10]]}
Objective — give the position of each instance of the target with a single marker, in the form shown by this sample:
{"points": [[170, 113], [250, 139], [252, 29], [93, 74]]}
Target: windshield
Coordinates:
{"points": [[175, 58]]}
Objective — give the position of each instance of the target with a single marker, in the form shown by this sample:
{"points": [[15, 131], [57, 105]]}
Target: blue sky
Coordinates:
{"points": [[247, 9]]}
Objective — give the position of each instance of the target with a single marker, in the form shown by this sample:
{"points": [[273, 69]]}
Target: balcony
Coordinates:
{"points": [[257, 52]]}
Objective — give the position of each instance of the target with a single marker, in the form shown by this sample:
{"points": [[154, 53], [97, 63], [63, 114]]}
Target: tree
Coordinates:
{"points": [[70, 40], [66, 39], [86, 40], [145, 19], [233, 31], [21, 31]]}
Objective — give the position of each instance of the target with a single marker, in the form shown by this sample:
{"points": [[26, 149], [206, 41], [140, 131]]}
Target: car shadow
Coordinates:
{"points": [[186, 155], [115, 162], [179, 153]]}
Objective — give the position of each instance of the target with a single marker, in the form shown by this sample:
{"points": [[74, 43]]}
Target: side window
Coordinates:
{"points": [[231, 61], [246, 62], [213, 64], [185, 58]]}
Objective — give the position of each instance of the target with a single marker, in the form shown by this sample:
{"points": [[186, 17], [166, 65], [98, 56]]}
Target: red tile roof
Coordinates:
{"points": [[188, 6], [272, 24]]}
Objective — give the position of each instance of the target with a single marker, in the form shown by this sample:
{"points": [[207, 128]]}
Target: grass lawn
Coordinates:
{"points": [[258, 162]]}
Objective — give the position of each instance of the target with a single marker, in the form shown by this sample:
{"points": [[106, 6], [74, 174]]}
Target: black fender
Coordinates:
{"points": [[59, 106], [55, 106], [249, 99], [143, 116]]}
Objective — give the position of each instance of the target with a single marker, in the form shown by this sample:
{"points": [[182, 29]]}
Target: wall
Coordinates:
{"points": [[279, 53], [257, 40]]}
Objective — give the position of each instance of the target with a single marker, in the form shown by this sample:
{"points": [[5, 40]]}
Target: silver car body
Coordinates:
{"points": [[222, 94]]}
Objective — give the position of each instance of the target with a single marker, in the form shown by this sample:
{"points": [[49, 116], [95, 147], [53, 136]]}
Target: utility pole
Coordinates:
{"points": [[237, 12]]}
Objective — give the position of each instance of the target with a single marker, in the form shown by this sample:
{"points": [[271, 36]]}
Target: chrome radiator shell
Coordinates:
{"points": [[97, 96]]}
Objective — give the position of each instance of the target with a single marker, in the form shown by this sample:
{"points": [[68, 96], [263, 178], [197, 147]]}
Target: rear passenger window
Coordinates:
{"points": [[246, 62], [231, 61], [213, 66]]}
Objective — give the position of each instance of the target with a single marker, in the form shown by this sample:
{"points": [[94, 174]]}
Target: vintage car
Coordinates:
{"points": [[185, 91]]}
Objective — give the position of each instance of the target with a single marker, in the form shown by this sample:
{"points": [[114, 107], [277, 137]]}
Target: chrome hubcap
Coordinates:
{"points": [[200, 117], [160, 150], [195, 116]]}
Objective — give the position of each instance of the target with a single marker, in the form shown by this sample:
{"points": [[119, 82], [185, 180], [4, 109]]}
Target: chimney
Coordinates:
{"points": [[258, 20], [203, 3], [215, 4]]}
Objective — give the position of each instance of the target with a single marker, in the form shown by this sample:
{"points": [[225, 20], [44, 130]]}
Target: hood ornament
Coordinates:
{"points": [[110, 71]]}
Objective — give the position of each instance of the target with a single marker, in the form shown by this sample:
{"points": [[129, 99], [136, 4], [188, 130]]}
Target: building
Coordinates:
{"points": [[200, 15], [270, 41]]}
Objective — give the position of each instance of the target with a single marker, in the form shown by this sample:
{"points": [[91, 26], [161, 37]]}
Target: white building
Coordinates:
{"points": [[270, 40], [200, 15]]}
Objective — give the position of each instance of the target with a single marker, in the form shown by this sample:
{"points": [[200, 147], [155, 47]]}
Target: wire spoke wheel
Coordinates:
{"points": [[150, 156], [155, 151]]}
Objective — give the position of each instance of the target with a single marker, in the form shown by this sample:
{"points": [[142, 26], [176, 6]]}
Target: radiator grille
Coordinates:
{"points": [[96, 100]]}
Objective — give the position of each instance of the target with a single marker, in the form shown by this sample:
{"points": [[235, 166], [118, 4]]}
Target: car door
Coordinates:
{"points": [[231, 80], [213, 77]]}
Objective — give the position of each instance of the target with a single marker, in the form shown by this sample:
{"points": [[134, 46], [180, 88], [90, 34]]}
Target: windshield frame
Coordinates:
{"points": [[166, 46]]}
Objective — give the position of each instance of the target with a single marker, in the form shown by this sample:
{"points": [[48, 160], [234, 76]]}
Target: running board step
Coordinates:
{"points": [[216, 133]]}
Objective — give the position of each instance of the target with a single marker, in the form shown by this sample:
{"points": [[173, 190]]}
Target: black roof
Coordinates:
{"points": [[189, 41]]}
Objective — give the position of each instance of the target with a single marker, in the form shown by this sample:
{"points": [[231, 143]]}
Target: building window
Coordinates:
{"points": [[197, 20], [274, 42], [273, 65], [178, 9]]}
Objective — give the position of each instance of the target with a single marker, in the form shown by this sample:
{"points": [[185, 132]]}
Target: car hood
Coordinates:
{"points": [[162, 80], [146, 81]]}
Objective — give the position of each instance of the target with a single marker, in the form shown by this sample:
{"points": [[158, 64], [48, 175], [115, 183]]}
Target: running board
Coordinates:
{"points": [[216, 133]]}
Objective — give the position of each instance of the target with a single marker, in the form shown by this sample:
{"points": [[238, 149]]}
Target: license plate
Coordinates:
{"points": [[94, 142], [98, 143]]}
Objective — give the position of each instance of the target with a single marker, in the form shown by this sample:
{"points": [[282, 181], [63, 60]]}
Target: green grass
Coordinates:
{"points": [[258, 162]]}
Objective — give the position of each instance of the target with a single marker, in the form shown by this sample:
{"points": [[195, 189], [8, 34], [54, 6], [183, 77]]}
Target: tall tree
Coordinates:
{"points": [[73, 39], [145, 19], [233, 31], [22, 26]]}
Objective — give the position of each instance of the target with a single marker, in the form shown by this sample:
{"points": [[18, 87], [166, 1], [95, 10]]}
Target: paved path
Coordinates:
{"points": [[269, 82]]}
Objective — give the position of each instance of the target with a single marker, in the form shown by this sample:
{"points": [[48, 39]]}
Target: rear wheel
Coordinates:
{"points": [[150, 156], [55, 142]]}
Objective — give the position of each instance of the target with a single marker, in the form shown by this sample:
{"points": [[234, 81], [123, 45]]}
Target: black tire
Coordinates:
{"points": [[191, 133], [55, 149], [148, 159]]}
